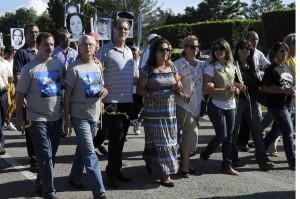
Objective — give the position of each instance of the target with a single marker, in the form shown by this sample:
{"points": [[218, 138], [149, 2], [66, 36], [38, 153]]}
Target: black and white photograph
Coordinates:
{"points": [[17, 37], [102, 26], [129, 16], [72, 8], [75, 26]]}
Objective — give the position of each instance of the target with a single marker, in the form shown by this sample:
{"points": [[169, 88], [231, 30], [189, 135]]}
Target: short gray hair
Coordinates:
{"points": [[290, 39], [85, 37]]}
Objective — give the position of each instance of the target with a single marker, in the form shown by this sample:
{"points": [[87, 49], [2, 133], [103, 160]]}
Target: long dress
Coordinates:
{"points": [[160, 124]]}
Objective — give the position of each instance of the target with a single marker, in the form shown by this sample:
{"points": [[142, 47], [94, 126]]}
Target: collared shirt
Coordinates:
{"points": [[144, 58], [22, 57], [65, 58], [118, 73]]}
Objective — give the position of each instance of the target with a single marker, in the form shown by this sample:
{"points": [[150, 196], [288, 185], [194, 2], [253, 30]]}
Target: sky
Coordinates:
{"points": [[177, 6]]}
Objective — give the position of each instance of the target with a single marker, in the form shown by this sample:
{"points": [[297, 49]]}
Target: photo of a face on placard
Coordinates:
{"points": [[1, 40], [17, 37], [69, 9], [129, 16], [75, 26], [102, 26]]}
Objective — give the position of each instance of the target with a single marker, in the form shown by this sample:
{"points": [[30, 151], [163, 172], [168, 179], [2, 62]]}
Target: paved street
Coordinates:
{"points": [[17, 182]]}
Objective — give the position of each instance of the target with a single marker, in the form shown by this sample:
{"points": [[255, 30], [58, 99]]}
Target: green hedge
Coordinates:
{"points": [[207, 32], [277, 24]]}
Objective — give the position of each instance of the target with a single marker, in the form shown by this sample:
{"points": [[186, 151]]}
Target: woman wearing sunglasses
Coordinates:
{"points": [[157, 84], [221, 106], [278, 86], [247, 105], [189, 100]]}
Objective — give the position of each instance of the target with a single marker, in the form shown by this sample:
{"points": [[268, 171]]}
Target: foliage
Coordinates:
{"points": [[20, 19], [278, 24], [258, 7], [45, 23], [212, 10], [231, 30]]}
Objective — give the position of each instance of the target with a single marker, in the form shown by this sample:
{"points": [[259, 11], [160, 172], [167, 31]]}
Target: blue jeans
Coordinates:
{"points": [[85, 155], [282, 124], [243, 110], [223, 123], [45, 137]]}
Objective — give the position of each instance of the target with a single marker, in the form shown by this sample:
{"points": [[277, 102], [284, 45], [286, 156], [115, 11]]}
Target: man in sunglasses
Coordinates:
{"points": [[119, 79]]}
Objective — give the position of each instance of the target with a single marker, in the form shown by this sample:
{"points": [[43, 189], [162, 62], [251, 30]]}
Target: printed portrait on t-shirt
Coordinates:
{"points": [[286, 80], [49, 83], [129, 16], [92, 84]]}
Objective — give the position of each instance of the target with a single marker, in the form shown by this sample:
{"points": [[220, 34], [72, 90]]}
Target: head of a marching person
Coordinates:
{"points": [[45, 46], [159, 51], [191, 46], [244, 49], [120, 30], [221, 51], [290, 40], [86, 47]]}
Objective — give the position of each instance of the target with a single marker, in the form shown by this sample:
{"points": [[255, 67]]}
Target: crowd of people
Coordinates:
{"points": [[92, 91]]}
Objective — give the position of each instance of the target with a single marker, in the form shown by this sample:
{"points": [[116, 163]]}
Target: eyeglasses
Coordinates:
{"points": [[283, 51], [164, 49], [122, 28], [91, 45], [193, 47], [244, 48], [221, 48]]}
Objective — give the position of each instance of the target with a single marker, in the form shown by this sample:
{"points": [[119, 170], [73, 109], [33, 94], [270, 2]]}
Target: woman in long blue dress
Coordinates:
{"points": [[158, 85]]}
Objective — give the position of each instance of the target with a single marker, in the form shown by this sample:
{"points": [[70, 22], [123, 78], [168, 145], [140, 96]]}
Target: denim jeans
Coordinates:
{"points": [[282, 124], [223, 123], [253, 121], [85, 155], [45, 138], [267, 120]]}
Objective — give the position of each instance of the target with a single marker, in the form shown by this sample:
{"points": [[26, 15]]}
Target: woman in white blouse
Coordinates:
{"points": [[189, 100]]}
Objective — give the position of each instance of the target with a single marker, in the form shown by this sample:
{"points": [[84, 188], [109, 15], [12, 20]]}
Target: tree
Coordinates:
{"points": [[258, 7], [45, 22], [211, 10]]}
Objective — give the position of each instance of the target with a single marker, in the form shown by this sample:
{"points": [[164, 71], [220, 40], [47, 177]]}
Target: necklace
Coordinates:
{"points": [[245, 66]]}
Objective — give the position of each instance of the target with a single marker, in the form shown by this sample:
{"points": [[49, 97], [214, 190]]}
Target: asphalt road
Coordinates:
{"points": [[16, 181]]}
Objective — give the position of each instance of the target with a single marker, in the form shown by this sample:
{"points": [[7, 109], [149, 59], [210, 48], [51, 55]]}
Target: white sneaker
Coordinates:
{"points": [[136, 127], [11, 127], [4, 126]]}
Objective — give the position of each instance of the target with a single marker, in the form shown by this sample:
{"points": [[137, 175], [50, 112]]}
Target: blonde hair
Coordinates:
{"points": [[187, 41]]}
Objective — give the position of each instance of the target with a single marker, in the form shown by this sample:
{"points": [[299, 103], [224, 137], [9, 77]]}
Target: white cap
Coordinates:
{"points": [[135, 48], [152, 36]]}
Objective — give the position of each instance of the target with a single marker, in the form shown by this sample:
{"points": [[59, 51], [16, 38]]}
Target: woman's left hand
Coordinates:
{"points": [[103, 93]]}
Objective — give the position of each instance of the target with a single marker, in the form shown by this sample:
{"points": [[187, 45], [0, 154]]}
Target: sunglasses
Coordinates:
{"points": [[244, 48], [221, 48], [283, 51], [193, 47], [164, 49]]}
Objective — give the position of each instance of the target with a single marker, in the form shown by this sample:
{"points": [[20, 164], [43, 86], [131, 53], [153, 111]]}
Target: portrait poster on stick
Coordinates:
{"points": [[17, 37], [102, 26]]}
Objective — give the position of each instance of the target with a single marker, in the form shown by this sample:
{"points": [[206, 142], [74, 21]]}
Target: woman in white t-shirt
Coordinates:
{"points": [[189, 100]]}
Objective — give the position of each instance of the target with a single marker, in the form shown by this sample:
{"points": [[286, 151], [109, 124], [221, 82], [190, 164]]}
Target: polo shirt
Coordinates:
{"points": [[23, 56]]}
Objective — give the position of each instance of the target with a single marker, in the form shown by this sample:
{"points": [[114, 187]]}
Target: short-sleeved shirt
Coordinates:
{"points": [[226, 105], [192, 82], [23, 56], [65, 58], [41, 82], [4, 74], [278, 76], [86, 81], [259, 60], [118, 73]]}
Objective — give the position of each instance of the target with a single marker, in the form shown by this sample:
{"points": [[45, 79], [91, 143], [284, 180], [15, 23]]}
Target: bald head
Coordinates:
{"points": [[253, 38]]}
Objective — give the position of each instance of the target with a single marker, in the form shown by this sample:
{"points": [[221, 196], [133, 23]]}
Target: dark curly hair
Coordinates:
{"points": [[69, 18], [246, 43], [153, 49]]}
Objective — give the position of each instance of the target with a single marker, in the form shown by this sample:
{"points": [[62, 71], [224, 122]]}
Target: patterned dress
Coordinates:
{"points": [[160, 122]]}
